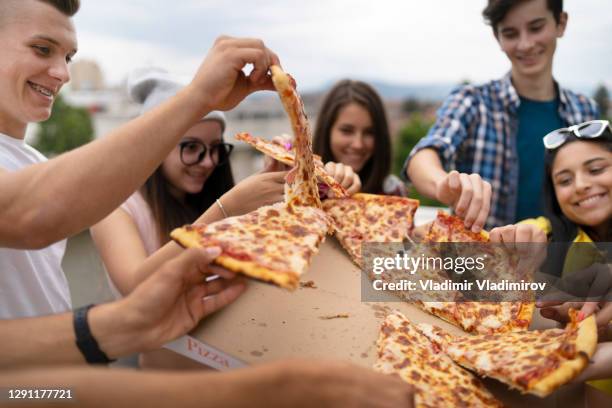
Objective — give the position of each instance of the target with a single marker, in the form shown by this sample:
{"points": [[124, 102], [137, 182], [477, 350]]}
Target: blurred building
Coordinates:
{"points": [[86, 75], [260, 114]]}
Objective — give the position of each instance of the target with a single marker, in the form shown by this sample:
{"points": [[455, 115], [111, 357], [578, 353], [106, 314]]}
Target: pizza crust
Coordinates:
{"points": [[586, 342], [187, 239], [287, 280]]}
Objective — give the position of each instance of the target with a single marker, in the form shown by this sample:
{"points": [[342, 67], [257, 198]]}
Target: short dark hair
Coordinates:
{"points": [[496, 10], [67, 7], [347, 91]]}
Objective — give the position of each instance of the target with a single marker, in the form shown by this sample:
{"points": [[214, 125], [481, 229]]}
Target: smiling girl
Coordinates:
{"points": [[578, 183], [352, 129], [578, 207], [194, 183]]}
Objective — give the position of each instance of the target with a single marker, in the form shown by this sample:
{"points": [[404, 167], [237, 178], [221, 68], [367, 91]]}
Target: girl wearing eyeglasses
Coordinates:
{"points": [[194, 183]]}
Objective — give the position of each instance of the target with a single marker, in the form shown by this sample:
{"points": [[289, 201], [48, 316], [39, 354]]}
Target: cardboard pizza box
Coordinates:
{"points": [[328, 320]]}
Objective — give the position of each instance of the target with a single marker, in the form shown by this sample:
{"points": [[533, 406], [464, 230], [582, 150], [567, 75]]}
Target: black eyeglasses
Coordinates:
{"points": [[193, 152], [586, 130]]}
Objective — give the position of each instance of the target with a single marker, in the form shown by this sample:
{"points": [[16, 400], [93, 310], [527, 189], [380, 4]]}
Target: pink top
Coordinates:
{"points": [[137, 208]]}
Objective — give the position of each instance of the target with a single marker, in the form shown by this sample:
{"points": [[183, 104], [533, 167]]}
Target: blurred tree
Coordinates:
{"points": [[411, 105], [602, 97], [408, 137], [67, 128]]}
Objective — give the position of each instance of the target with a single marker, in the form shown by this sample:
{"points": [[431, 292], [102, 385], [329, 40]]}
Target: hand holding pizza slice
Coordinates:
{"points": [[439, 382], [274, 243], [287, 156], [366, 218], [472, 316], [302, 189], [536, 362]]}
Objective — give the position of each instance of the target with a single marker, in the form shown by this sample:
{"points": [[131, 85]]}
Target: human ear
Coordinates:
{"points": [[562, 24]]}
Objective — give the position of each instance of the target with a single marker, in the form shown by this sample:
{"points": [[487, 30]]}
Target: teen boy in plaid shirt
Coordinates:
{"points": [[484, 155]]}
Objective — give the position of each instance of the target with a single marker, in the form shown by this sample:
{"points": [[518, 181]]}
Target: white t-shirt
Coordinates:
{"points": [[32, 282]]}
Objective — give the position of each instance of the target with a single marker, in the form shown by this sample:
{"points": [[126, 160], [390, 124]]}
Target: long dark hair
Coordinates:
{"points": [[169, 213], [347, 91], [563, 229]]}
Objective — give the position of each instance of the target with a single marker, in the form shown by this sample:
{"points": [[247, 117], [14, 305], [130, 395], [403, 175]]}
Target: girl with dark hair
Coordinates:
{"points": [[193, 184], [195, 180], [577, 188], [352, 129], [578, 208], [577, 195]]}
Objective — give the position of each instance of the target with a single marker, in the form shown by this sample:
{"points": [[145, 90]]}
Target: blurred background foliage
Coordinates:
{"points": [[409, 135], [67, 128]]}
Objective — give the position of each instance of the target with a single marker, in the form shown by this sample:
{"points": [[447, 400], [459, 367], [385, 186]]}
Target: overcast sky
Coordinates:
{"points": [[319, 41]]}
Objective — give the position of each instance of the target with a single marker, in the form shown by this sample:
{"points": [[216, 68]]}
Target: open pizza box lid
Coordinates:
{"points": [[268, 323]]}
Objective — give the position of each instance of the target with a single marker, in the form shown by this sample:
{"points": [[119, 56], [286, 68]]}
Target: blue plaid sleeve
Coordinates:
{"points": [[453, 120]]}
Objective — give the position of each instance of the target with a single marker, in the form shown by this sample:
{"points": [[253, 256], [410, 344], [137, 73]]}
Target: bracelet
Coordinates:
{"points": [[84, 339], [221, 208]]}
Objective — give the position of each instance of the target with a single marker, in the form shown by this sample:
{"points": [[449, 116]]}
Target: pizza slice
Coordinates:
{"points": [[450, 228], [370, 218], [536, 362], [472, 316], [439, 382], [273, 243], [301, 188], [280, 153]]}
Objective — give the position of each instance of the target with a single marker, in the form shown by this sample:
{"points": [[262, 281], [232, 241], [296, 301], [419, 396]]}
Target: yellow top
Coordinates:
{"points": [[578, 257]]}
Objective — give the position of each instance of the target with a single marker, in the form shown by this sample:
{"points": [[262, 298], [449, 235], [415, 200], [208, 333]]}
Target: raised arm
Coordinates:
{"points": [[121, 246], [51, 201]]}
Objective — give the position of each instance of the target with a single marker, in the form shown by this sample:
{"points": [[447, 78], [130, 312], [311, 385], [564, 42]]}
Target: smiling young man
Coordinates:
{"points": [[43, 202], [490, 135], [40, 209]]}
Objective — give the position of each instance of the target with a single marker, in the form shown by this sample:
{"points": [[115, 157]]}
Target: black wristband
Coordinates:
{"points": [[85, 341]]}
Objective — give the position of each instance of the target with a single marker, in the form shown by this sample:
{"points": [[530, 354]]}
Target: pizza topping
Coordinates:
{"points": [[369, 218], [472, 317], [252, 243], [438, 382], [302, 189], [523, 360]]}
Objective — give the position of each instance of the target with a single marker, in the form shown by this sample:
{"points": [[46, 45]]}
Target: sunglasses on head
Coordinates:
{"points": [[587, 130]]}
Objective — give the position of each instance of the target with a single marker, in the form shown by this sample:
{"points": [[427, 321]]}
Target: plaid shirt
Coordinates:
{"points": [[475, 132]]}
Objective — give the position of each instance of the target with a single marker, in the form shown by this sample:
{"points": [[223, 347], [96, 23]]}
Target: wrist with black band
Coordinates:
{"points": [[85, 341]]}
